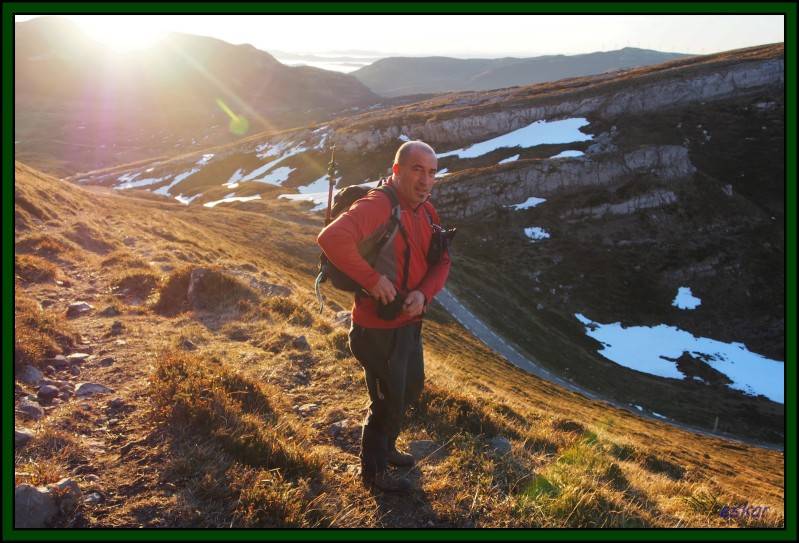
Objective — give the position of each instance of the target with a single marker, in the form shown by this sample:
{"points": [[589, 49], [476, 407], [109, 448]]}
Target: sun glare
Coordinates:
{"points": [[120, 33]]}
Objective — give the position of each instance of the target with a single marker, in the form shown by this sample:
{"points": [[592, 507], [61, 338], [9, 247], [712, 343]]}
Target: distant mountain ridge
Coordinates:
{"points": [[445, 74], [91, 107]]}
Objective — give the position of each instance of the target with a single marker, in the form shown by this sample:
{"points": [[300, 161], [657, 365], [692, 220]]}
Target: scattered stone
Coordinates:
{"points": [[49, 371], [188, 345], [337, 427], [120, 342], [74, 370], [33, 507], [129, 241], [77, 358], [47, 303], [54, 402], [301, 343], [91, 477], [93, 498], [30, 375], [117, 403], [29, 410], [22, 436], [107, 361], [117, 328], [307, 408], [76, 309], [67, 494], [47, 393], [500, 444], [343, 318], [59, 361], [109, 311], [90, 389], [65, 395]]}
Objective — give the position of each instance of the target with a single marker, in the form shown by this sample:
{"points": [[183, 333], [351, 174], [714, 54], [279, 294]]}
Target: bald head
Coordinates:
{"points": [[409, 148], [414, 171]]}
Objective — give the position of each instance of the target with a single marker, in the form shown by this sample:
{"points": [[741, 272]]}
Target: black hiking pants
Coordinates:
{"points": [[394, 370]]}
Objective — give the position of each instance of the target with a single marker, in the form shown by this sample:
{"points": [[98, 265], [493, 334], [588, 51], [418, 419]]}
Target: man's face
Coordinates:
{"points": [[416, 175]]}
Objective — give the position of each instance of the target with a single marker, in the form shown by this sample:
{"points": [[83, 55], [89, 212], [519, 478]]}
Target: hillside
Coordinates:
{"points": [[232, 403], [595, 204], [397, 76], [109, 108]]}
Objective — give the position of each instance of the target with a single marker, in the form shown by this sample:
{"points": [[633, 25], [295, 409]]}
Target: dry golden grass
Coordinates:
{"points": [[211, 434]]}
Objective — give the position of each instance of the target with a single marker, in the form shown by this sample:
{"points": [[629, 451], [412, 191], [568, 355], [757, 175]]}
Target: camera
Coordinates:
{"points": [[391, 310]]}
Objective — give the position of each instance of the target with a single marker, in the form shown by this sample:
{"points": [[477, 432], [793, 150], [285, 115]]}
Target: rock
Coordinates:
{"points": [[22, 436], [33, 507], [76, 309], [49, 370], [188, 345], [59, 361], [107, 361], [65, 395], [307, 408], [92, 477], [90, 389], [93, 498], [74, 370], [67, 494], [301, 343], [77, 358], [109, 311], [120, 342], [500, 444], [343, 318], [337, 427], [116, 328], [117, 403], [30, 375], [29, 410], [47, 393], [129, 241]]}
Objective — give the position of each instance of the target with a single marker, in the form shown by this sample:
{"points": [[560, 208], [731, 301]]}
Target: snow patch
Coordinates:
{"points": [[532, 201], [643, 348], [536, 233], [509, 159], [537, 133], [568, 154], [232, 199], [685, 299]]}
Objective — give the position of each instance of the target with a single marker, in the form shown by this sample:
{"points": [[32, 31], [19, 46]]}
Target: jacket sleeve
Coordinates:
{"points": [[436, 276], [339, 240]]}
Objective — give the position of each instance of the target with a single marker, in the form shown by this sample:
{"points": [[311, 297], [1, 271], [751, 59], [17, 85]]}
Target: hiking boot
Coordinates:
{"points": [[390, 482], [399, 459]]}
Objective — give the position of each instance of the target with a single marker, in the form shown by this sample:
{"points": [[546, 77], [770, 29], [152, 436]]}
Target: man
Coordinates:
{"points": [[390, 346]]}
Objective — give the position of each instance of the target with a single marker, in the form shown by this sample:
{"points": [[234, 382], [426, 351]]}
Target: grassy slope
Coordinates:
{"points": [[213, 437]]}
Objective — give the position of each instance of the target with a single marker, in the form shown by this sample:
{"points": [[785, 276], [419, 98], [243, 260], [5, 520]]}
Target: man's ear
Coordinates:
{"points": [[395, 169]]}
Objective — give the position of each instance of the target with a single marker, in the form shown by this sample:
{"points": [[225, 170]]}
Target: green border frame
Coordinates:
{"points": [[484, 7]]}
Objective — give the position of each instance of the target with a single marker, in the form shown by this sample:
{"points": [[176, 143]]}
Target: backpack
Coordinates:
{"points": [[343, 200]]}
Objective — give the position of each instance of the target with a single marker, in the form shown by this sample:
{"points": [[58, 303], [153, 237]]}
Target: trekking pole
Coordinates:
{"points": [[331, 172]]}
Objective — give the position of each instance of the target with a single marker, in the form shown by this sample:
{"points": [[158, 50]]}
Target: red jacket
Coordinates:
{"points": [[339, 240]]}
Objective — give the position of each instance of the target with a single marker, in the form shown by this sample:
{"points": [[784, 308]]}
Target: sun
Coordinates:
{"points": [[120, 33]]}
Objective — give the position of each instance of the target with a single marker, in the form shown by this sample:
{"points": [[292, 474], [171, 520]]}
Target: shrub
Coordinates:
{"points": [[38, 335], [33, 269]]}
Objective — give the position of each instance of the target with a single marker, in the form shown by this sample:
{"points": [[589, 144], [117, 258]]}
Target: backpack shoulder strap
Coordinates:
{"points": [[396, 219]]}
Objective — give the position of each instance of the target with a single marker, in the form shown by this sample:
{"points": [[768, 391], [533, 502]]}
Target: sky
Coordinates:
{"points": [[464, 36]]}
